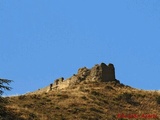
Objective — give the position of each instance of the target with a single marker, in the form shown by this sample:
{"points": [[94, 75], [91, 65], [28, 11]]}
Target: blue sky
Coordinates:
{"points": [[44, 40]]}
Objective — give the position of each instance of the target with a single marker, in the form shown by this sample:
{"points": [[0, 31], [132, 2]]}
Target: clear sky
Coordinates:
{"points": [[41, 40]]}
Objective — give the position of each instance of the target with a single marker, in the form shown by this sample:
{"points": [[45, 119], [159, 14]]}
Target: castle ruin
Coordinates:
{"points": [[102, 73]]}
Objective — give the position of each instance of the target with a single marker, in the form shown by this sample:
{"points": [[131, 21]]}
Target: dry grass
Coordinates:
{"points": [[89, 101]]}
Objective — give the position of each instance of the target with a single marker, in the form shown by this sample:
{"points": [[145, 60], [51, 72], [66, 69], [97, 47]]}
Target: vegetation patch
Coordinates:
{"points": [[95, 93], [127, 97], [158, 100]]}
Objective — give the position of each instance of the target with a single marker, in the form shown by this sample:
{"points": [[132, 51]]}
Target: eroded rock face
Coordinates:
{"points": [[102, 72]]}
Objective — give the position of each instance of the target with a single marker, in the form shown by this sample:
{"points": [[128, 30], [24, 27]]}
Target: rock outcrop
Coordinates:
{"points": [[102, 73]]}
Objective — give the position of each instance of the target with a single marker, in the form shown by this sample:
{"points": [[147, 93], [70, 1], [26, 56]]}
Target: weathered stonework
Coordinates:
{"points": [[102, 72]]}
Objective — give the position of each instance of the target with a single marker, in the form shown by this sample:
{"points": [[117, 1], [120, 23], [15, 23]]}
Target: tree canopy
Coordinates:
{"points": [[4, 85]]}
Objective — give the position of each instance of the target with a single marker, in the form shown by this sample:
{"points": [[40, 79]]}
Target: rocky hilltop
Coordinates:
{"points": [[98, 73], [101, 72]]}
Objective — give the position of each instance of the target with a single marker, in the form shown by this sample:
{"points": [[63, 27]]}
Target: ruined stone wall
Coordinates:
{"points": [[102, 72]]}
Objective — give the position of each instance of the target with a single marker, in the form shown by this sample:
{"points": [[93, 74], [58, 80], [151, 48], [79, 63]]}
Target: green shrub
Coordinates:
{"points": [[96, 110], [158, 100], [140, 95], [21, 97], [95, 93], [84, 97], [56, 107], [124, 96], [128, 98]]}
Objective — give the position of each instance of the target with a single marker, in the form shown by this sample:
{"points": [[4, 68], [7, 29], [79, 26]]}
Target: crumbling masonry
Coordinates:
{"points": [[102, 72]]}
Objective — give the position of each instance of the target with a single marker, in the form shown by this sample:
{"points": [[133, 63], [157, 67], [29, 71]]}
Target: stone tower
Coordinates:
{"points": [[108, 72], [103, 73]]}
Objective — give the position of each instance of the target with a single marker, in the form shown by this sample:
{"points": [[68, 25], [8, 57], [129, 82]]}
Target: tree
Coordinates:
{"points": [[3, 101], [4, 87]]}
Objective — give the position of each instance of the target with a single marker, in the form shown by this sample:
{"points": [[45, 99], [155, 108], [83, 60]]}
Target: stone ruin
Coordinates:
{"points": [[102, 73]]}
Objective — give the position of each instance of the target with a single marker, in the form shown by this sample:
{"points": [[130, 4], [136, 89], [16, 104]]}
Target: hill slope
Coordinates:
{"points": [[87, 100], [91, 101]]}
